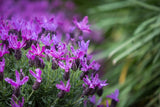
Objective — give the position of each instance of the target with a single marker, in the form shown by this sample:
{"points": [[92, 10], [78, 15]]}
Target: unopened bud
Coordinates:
{"points": [[66, 75], [61, 94], [1, 76], [18, 54], [36, 85], [100, 91]]}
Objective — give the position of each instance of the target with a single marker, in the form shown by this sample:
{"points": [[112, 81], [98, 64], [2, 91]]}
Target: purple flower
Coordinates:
{"points": [[57, 53], [85, 66], [37, 75], [114, 95], [83, 24], [93, 100], [77, 53], [30, 56], [48, 24], [61, 86], [97, 82], [14, 104], [14, 43], [46, 40], [94, 82], [2, 65], [3, 51], [18, 82], [29, 31], [88, 82], [107, 105], [84, 46], [37, 51], [68, 63]]}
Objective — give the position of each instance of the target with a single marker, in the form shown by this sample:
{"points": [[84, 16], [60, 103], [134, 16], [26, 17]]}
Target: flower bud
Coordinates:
{"points": [[28, 44], [55, 64], [66, 75], [74, 66], [36, 85], [61, 94], [18, 54], [16, 92], [100, 91], [87, 91], [1, 76]]}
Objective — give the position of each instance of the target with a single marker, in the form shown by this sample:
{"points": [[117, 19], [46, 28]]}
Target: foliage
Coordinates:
{"points": [[131, 47]]}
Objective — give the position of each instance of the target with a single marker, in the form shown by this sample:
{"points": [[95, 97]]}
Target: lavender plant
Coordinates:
{"points": [[57, 54]]}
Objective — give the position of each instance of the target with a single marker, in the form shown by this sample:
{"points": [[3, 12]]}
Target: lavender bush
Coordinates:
{"points": [[52, 52]]}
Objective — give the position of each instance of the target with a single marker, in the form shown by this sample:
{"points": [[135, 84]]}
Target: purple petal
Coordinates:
{"points": [[10, 81], [61, 64], [17, 76], [32, 73], [24, 80], [93, 99], [107, 105]]}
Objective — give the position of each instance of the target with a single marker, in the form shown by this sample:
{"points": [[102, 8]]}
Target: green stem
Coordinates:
{"points": [[77, 100], [54, 102], [30, 95]]}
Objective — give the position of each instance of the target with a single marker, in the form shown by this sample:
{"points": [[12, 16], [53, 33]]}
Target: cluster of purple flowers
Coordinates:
{"points": [[41, 37], [51, 37]]}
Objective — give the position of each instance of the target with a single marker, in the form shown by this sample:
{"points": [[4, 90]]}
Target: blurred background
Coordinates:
{"points": [[125, 39], [129, 49]]}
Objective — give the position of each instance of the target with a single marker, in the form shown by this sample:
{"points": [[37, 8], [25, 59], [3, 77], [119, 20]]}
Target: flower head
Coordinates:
{"points": [[78, 54], [15, 44], [37, 75], [68, 63], [97, 82], [84, 46], [83, 24], [37, 51], [48, 24], [61, 86], [93, 100], [46, 40], [114, 95], [94, 82], [14, 104], [18, 82]]}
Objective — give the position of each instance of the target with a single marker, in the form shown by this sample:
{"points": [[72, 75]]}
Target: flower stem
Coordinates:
{"points": [[30, 95], [53, 104]]}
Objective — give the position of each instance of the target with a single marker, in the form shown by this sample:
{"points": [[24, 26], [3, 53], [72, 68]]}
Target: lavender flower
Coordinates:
{"points": [[93, 84], [93, 100], [66, 67], [84, 46], [14, 104], [68, 63], [38, 78], [114, 95], [18, 83], [46, 40], [15, 44], [37, 75], [47, 24], [2, 65], [83, 24], [63, 88], [37, 51]]}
